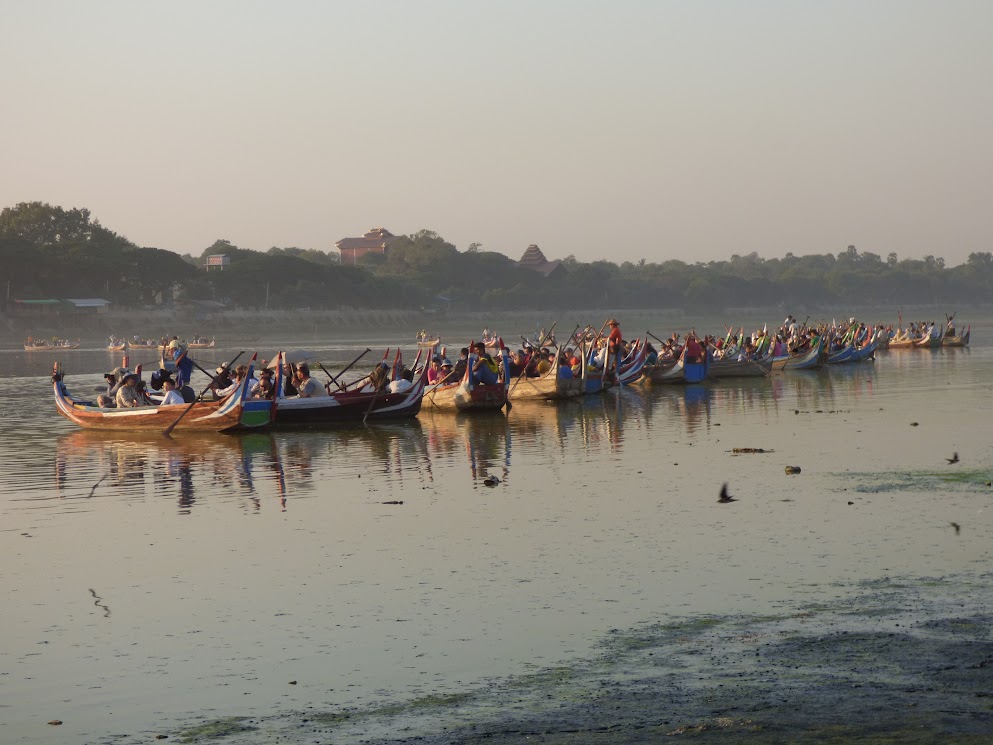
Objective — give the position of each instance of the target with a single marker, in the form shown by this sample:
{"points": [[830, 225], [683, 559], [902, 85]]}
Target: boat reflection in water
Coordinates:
{"points": [[483, 436], [538, 438], [100, 465]]}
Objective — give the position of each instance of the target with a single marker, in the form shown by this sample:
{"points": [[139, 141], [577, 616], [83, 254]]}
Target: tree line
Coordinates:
{"points": [[48, 252]]}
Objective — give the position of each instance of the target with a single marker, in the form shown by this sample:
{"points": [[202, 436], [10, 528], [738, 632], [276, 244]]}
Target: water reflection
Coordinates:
{"points": [[99, 465], [260, 469]]}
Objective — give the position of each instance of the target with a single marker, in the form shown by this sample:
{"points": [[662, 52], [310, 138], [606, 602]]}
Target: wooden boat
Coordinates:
{"points": [[236, 412], [464, 395], [811, 359], [631, 369], [957, 341], [122, 347], [551, 387], [355, 402], [47, 346], [929, 342], [202, 344], [428, 341], [901, 340]]}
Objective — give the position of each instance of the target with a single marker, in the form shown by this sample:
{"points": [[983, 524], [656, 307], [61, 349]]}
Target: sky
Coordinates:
{"points": [[626, 130]]}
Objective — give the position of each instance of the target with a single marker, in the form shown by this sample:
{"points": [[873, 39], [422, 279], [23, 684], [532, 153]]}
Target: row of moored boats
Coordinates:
{"points": [[491, 377]]}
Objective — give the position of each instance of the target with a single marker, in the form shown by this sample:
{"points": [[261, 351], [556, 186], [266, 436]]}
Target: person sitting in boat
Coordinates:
{"points": [[267, 384], [378, 379], [128, 395], [115, 381], [307, 387], [518, 363], [171, 396], [222, 384], [461, 364], [447, 373], [653, 356], [434, 370], [404, 383], [565, 367], [747, 352], [484, 371], [289, 380]]}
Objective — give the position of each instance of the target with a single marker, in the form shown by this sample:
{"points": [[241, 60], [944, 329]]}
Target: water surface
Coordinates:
{"points": [[149, 581]]}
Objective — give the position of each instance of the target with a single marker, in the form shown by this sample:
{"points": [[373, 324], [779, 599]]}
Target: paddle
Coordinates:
{"points": [[168, 430], [347, 368]]}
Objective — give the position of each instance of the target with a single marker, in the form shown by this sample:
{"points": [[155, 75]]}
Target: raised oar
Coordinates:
{"points": [[347, 368], [168, 430]]}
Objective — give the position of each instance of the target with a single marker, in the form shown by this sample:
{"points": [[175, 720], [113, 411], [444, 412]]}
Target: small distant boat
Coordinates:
{"points": [[202, 344], [117, 347], [424, 339], [44, 346]]}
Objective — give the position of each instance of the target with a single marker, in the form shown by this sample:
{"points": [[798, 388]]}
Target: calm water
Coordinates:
{"points": [[148, 581]]}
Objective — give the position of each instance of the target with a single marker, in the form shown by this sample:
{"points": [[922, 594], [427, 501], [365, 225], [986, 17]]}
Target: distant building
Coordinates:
{"points": [[535, 260], [373, 242], [217, 262], [59, 307], [88, 305]]}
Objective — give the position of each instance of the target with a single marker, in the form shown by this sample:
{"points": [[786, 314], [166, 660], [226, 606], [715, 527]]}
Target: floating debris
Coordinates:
{"points": [[792, 469], [751, 450]]}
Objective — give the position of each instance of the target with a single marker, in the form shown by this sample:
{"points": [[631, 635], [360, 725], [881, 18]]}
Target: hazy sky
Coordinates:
{"points": [[622, 130]]}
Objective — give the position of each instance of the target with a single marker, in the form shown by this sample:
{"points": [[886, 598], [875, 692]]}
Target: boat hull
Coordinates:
{"points": [[230, 415], [957, 341]]}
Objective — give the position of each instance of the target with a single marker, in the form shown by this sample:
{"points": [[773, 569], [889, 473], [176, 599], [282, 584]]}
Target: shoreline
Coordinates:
{"points": [[908, 660]]}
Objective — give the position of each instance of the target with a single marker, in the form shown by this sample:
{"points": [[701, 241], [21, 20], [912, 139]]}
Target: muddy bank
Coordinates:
{"points": [[897, 661]]}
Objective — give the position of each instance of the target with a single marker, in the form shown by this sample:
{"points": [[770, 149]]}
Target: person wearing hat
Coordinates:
{"points": [[222, 382], [447, 373]]}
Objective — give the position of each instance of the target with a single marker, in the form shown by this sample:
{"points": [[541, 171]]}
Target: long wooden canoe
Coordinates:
{"points": [[236, 412], [464, 395]]}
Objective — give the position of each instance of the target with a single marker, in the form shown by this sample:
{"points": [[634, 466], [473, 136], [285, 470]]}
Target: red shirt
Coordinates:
{"points": [[615, 338]]}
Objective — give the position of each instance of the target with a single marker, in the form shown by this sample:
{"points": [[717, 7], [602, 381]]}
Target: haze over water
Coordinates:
{"points": [[203, 574]]}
